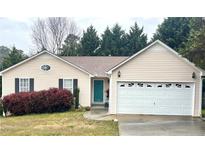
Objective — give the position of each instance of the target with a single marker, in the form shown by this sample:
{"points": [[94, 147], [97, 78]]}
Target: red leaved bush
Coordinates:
{"points": [[45, 101]]}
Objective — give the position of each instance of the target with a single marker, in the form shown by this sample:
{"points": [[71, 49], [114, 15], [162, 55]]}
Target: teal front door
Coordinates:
{"points": [[98, 91]]}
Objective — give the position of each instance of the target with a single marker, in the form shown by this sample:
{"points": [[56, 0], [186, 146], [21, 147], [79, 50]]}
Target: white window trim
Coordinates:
{"points": [[71, 82], [20, 84]]}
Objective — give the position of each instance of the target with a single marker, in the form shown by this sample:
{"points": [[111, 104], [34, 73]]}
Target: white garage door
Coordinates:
{"points": [[155, 98]]}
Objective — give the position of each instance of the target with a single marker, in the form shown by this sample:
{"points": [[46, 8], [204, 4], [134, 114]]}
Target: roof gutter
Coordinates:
{"points": [[91, 76], [109, 72]]}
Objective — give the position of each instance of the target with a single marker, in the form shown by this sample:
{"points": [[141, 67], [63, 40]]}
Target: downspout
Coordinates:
{"points": [[90, 89], [202, 80], [110, 93]]}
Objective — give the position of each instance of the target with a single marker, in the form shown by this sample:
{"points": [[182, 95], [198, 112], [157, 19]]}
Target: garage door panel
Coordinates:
{"points": [[155, 98]]}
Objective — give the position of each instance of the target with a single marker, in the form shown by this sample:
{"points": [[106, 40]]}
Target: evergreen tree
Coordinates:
{"points": [[71, 46], [89, 42], [194, 48], [117, 42], [136, 40], [4, 51], [106, 45], [0, 86], [174, 32], [14, 57]]}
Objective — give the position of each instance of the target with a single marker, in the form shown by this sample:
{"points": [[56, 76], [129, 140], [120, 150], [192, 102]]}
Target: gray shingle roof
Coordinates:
{"points": [[96, 65]]}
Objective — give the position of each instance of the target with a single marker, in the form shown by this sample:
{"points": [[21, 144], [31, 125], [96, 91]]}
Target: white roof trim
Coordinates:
{"points": [[155, 42], [26, 60]]}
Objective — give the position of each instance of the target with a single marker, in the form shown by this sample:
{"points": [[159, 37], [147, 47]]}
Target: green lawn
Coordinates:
{"points": [[68, 123]]}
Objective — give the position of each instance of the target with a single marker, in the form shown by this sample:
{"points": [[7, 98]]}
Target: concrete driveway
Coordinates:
{"points": [[147, 125]]}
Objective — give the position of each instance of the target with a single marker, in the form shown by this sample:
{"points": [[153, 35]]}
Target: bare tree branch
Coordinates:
{"points": [[49, 34], [73, 29], [39, 35]]}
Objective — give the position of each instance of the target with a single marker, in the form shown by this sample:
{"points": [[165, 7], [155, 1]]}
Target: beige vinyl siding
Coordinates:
{"points": [[157, 64], [47, 79]]}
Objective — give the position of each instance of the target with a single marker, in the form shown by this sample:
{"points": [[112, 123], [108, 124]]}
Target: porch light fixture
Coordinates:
{"points": [[193, 75], [119, 74]]}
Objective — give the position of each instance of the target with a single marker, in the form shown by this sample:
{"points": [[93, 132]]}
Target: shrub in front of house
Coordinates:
{"points": [[45, 101]]}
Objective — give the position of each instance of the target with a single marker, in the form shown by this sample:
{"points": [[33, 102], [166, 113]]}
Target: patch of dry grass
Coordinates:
{"points": [[68, 123]]}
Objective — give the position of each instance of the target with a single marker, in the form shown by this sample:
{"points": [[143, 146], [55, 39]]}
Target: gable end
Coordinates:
{"points": [[148, 47], [39, 54]]}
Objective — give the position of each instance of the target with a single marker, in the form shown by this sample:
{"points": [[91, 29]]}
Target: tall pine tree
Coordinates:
{"points": [[14, 57], [71, 46], [194, 48], [89, 42], [174, 32], [106, 43], [117, 42], [136, 40]]}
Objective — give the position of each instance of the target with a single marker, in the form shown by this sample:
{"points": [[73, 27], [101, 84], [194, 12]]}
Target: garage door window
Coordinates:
{"points": [[187, 86], [149, 85], [159, 86], [178, 85], [130, 84], [140, 84], [168, 85], [122, 85]]}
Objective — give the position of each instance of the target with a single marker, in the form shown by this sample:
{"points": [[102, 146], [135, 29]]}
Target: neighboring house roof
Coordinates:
{"points": [[38, 54], [96, 65], [146, 48]]}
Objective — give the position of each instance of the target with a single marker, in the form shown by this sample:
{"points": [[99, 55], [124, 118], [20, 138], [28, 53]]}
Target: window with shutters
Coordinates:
{"points": [[68, 84], [24, 85]]}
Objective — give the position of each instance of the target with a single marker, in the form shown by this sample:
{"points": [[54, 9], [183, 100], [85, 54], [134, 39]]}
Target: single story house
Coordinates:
{"points": [[155, 80]]}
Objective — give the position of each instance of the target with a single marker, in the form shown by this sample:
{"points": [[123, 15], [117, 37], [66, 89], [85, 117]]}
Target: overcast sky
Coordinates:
{"points": [[17, 31]]}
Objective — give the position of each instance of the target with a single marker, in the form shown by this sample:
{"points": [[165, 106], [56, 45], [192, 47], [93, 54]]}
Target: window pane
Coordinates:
{"points": [[24, 85], [67, 84]]}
